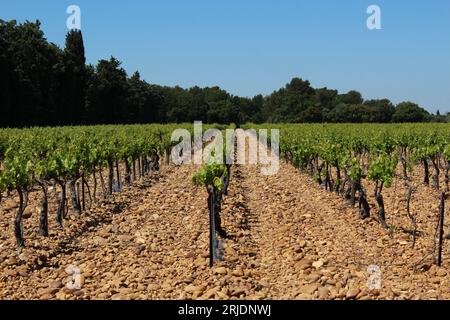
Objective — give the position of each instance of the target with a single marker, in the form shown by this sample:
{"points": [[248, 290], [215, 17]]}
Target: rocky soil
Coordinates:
{"points": [[287, 239]]}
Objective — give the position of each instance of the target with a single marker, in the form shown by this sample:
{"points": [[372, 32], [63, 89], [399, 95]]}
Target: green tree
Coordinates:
{"points": [[74, 67], [27, 73], [144, 103], [351, 97], [409, 112], [289, 104], [107, 93], [379, 111], [344, 113]]}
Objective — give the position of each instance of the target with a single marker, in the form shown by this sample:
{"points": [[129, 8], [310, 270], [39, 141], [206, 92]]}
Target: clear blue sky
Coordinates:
{"points": [[256, 46]]}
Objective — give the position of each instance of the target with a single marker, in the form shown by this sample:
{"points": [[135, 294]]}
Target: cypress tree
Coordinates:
{"points": [[74, 62]]}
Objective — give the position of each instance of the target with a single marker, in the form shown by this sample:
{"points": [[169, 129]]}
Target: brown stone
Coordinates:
{"points": [[323, 293], [221, 270], [309, 289], [352, 293], [12, 261], [238, 273], [57, 284]]}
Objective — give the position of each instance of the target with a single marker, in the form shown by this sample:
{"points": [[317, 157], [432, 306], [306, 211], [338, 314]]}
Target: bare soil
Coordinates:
{"points": [[287, 238]]}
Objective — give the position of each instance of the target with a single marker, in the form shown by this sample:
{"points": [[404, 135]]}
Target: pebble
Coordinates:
{"points": [[303, 264], [238, 292], [12, 261], [221, 270], [238, 273], [57, 284], [309, 289], [22, 273], [318, 264], [352, 293], [323, 292], [191, 289], [46, 296], [441, 273]]}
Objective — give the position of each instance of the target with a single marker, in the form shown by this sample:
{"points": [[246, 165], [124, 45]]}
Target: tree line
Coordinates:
{"points": [[42, 84]]}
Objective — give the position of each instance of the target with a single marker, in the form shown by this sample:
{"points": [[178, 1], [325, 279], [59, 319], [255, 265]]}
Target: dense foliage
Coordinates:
{"points": [[42, 84]]}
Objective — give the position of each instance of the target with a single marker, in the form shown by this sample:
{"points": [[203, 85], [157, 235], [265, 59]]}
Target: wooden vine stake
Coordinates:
{"points": [[212, 227], [441, 229]]}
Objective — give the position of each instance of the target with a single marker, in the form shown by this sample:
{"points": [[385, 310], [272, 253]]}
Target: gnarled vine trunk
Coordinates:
{"points": [[410, 216], [127, 172], [43, 217], [338, 178], [102, 183], [61, 213], [110, 177], [447, 176], [426, 175], [94, 178], [155, 161], [403, 159], [75, 200], [83, 192], [167, 156], [380, 202], [119, 181], [139, 167], [88, 192], [18, 221], [437, 172], [364, 207], [353, 189]]}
